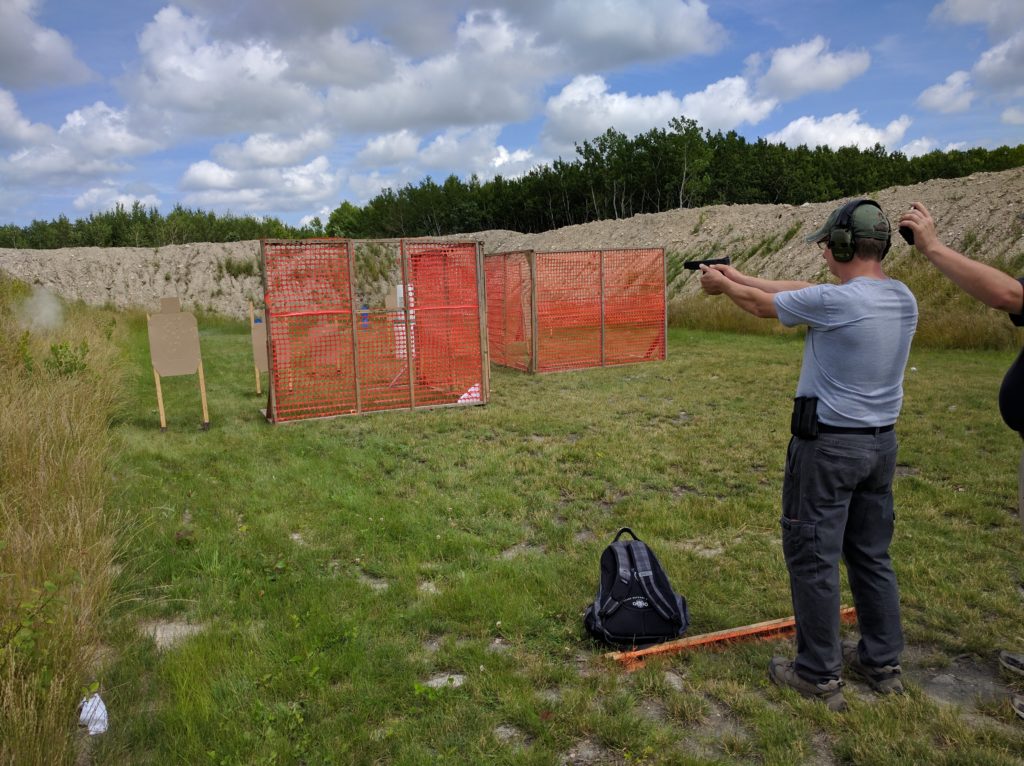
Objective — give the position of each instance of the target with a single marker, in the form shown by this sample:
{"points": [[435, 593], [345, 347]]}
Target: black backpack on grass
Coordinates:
{"points": [[635, 604]]}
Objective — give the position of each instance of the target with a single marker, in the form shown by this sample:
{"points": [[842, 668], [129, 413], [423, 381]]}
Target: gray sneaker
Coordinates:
{"points": [[782, 673], [1012, 662], [884, 680], [1017, 703]]}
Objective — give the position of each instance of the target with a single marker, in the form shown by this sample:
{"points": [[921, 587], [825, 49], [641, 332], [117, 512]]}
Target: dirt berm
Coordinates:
{"points": [[982, 214]]}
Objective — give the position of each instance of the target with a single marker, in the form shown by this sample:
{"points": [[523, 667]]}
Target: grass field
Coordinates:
{"points": [[407, 587]]}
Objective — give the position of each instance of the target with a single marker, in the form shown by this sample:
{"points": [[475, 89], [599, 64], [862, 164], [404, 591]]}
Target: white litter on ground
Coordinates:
{"points": [[94, 715]]}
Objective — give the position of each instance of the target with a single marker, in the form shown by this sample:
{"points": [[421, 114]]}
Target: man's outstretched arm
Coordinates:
{"points": [[765, 285], [753, 300]]}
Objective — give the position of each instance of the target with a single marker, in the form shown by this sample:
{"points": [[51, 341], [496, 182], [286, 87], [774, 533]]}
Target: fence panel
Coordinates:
{"points": [[634, 305], [568, 310], [364, 326], [309, 325], [509, 314], [448, 360], [594, 308]]}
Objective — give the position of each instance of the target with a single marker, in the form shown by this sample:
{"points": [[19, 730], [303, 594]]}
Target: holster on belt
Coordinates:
{"points": [[804, 422]]}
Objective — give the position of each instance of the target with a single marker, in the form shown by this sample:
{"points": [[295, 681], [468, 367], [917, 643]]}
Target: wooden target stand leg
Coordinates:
{"points": [[160, 400], [205, 425], [256, 367]]}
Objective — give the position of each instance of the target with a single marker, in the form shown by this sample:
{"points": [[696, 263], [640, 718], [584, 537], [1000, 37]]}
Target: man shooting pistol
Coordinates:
{"points": [[837, 499]]}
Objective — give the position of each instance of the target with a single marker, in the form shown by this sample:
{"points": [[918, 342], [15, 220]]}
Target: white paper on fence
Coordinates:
{"points": [[94, 715], [398, 321], [472, 395]]}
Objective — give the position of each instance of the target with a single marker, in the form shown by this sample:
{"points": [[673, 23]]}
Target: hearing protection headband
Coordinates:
{"points": [[841, 240]]}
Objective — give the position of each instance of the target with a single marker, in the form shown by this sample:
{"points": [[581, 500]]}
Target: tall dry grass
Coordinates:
{"points": [[59, 387]]}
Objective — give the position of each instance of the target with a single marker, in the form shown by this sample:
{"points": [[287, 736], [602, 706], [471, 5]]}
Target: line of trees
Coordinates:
{"points": [[612, 176], [138, 226]]}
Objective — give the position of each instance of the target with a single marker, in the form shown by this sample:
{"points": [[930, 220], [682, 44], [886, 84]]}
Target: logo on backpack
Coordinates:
{"points": [[635, 605]]}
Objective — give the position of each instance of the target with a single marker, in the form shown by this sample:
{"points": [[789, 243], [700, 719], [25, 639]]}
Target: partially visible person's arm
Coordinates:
{"points": [[979, 280]]}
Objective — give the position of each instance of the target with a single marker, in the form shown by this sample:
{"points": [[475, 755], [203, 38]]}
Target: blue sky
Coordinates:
{"points": [[278, 108]]}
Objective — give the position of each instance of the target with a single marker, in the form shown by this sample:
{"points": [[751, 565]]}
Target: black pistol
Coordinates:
{"points": [[695, 265]]}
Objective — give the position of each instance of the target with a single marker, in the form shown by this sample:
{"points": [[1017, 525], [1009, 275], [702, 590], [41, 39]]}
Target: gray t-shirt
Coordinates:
{"points": [[858, 341]]}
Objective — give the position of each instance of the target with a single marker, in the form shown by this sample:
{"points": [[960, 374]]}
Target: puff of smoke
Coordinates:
{"points": [[41, 311]]}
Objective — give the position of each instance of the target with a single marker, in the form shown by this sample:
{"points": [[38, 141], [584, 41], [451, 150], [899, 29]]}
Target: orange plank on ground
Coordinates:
{"points": [[758, 631]]}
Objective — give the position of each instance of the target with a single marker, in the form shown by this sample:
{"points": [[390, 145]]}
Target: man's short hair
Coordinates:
{"points": [[869, 249]]}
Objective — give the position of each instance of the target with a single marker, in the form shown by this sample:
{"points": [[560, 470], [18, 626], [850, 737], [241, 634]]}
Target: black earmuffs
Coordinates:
{"points": [[841, 240]]}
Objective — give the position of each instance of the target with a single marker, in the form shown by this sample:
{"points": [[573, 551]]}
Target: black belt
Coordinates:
{"points": [[825, 428]]}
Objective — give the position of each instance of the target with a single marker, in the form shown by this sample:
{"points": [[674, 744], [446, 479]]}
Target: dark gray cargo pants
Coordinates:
{"points": [[837, 502]]}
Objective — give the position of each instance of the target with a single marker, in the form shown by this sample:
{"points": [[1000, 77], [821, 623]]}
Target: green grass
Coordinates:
{"points": [[486, 525]]}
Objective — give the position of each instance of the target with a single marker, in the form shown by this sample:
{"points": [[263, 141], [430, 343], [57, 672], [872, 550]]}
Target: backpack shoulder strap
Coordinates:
{"points": [[623, 575], [664, 605]]}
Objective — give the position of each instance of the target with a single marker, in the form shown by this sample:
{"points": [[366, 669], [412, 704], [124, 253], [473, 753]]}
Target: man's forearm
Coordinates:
{"points": [[979, 280], [751, 299], [771, 285]]}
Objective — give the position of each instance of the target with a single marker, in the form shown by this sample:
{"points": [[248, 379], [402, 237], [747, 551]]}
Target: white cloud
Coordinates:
{"points": [[390, 149], [460, 151], [607, 33], [726, 104], [100, 131], [208, 175], [87, 146], [264, 189], [323, 214], [1002, 67], [1013, 115], [365, 186], [107, 197], [54, 164], [492, 73], [1001, 17], [474, 151], [514, 163], [919, 146], [587, 33], [810, 67], [337, 58], [267, 150], [32, 55], [188, 83], [584, 109], [15, 129], [839, 130], [954, 95]]}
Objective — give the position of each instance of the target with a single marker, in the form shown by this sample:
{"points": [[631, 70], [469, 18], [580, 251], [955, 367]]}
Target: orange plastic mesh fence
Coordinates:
{"points": [[447, 359], [634, 305], [342, 340], [509, 313], [594, 308]]}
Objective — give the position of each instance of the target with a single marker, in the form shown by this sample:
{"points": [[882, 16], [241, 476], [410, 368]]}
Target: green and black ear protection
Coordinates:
{"points": [[840, 238]]}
